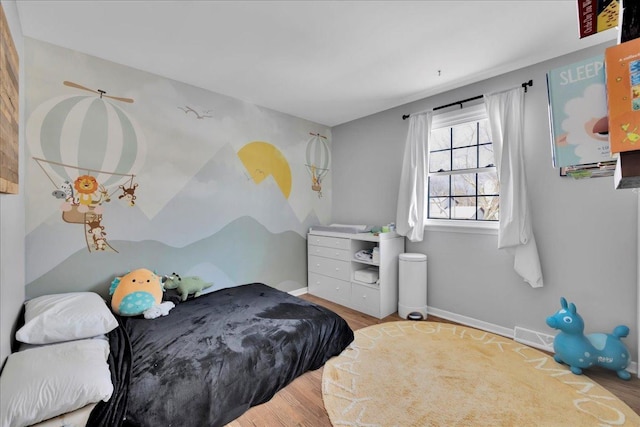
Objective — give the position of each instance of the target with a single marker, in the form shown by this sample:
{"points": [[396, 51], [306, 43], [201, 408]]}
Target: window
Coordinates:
{"points": [[463, 183]]}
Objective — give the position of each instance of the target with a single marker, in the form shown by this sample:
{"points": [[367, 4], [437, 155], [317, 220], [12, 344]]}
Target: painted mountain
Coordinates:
{"points": [[221, 226]]}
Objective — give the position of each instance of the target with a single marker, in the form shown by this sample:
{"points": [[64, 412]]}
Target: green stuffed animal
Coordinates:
{"points": [[186, 285]]}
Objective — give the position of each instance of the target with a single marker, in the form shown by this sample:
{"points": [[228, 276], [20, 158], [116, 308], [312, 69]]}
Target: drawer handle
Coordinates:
{"points": [[317, 265], [364, 297], [337, 268], [337, 288]]}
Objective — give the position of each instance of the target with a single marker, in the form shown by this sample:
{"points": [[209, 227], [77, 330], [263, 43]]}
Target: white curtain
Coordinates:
{"points": [[412, 210], [506, 119]]}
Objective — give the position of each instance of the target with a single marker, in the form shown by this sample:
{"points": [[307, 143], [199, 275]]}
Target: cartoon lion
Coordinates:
{"points": [[85, 186]]}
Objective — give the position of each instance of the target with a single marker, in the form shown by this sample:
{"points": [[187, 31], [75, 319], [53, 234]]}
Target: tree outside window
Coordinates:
{"points": [[463, 183]]}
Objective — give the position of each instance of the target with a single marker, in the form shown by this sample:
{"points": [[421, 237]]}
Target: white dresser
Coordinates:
{"points": [[332, 265]]}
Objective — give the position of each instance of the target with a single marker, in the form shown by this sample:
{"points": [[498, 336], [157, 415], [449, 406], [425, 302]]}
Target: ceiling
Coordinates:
{"points": [[326, 61]]}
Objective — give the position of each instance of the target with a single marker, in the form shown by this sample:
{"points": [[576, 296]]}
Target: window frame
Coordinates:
{"points": [[448, 119]]}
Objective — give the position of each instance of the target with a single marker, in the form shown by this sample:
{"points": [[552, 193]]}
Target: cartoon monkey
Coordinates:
{"points": [[99, 243], [129, 194], [95, 228]]}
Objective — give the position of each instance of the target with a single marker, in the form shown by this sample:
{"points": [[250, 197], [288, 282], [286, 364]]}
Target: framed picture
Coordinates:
{"points": [[9, 109]]}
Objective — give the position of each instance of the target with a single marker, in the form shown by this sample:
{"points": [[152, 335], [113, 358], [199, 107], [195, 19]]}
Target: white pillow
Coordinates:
{"points": [[64, 317], [24, 346], [45, 382]]}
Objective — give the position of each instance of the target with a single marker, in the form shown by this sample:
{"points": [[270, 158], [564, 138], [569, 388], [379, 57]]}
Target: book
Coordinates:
{"points": [[623, 90], [592, 170], [578, 113], [595, 16]]}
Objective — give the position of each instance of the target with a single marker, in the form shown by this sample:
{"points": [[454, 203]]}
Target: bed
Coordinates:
{"points": [[213, 357]]}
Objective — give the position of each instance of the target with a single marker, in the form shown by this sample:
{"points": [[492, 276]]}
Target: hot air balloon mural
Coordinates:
{"points": [[317, 160], [89, 148]]}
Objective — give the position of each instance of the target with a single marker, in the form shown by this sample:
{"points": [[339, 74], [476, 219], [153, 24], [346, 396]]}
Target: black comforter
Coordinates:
{"points": [[215, 356]]}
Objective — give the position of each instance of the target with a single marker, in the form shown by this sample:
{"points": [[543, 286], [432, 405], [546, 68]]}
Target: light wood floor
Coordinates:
{"points": [[300, 403]]}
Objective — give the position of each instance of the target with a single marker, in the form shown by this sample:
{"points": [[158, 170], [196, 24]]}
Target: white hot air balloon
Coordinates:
{"points": [[82, 141], [318, 155]]}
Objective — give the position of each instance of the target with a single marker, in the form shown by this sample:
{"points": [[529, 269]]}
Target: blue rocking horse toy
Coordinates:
{"points": [[578, 351]]}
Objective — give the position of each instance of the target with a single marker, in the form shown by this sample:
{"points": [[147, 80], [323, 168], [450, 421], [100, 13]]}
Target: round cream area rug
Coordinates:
{"points": [[435, 374]]}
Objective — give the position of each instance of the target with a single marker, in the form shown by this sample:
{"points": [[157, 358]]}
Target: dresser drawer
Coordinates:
{"points": [[365, 299], [327, 252], [330, 288], [329, 242], [330, 267]]}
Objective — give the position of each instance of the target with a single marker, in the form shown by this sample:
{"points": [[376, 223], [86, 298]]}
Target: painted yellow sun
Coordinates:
{"points": [[262, 159]]}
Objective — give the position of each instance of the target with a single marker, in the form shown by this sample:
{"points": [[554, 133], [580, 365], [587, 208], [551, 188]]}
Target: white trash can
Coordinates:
{"points": [[412, 279]]}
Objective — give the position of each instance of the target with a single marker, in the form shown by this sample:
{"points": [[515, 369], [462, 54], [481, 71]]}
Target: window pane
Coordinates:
{"points": [[488, 183], [463, 208], [439, 186], [440, 161], [465, 158], [484, 132], [440, 139], [460, 191], [464, 135], [439, 207], [489, 208], [463, 184], [486, 156]]}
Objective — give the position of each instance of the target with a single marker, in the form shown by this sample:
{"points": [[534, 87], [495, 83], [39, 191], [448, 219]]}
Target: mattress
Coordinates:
{"points": [[215, 356]]}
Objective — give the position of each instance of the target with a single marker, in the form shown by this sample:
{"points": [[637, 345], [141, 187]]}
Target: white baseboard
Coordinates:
{"points": [[470, 321], [298, 292], [500, 330], [543, 339], [533, 338]]}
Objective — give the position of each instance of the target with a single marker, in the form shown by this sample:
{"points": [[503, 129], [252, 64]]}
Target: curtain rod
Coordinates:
{"points": [[524, 85]]}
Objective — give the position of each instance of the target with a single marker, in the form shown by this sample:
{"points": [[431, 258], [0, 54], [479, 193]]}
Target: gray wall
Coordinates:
{"points": [[585, 230], [12, 229]]}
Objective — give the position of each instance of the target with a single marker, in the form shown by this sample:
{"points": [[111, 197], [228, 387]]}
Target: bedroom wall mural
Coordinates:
{"points": [[127, 169], [89, 149]]}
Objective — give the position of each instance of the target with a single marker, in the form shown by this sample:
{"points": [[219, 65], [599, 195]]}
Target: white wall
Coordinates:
{"points": [[586, 231], [12, 231]]}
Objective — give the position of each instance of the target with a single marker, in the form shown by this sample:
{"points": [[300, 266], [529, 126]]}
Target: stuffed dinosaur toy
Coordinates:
{"points": [[186, 285], [139, 292]]}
